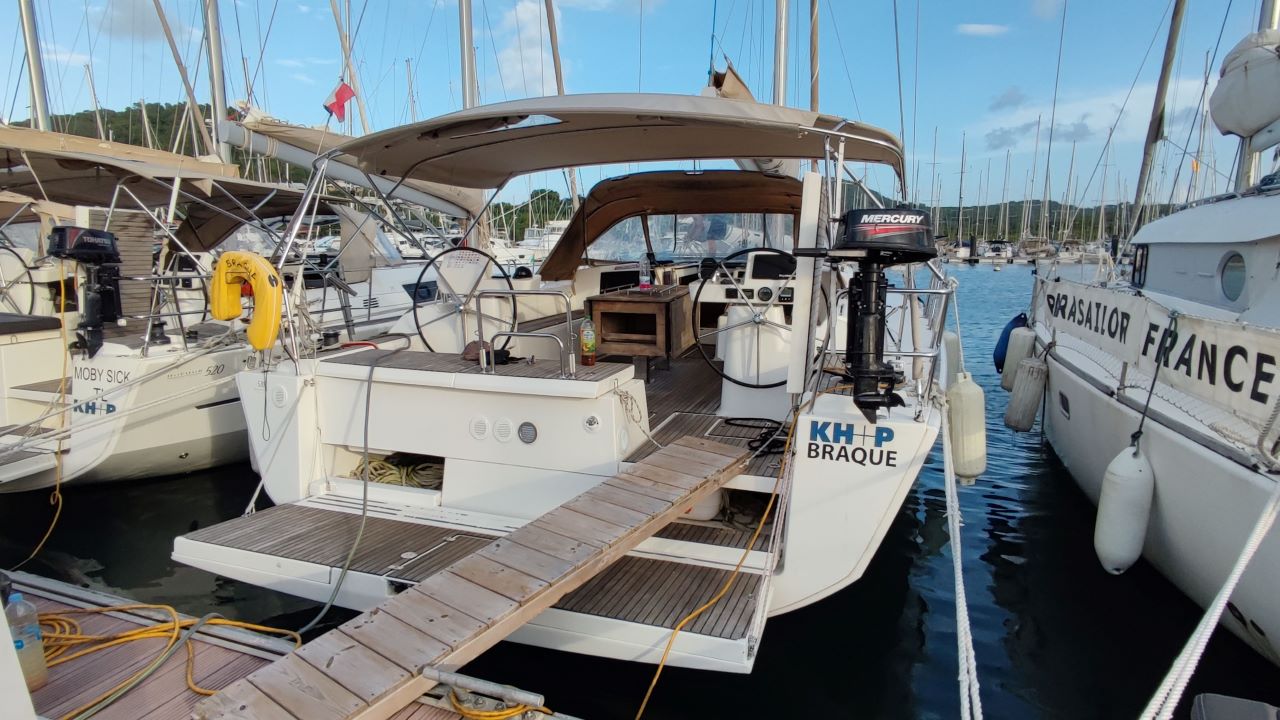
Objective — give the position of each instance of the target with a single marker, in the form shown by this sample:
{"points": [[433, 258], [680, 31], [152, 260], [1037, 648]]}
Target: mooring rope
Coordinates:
{"points": [[970, 699]]}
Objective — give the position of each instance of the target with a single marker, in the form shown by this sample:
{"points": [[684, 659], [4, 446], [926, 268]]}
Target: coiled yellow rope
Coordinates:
{"points": [[64, 641]]}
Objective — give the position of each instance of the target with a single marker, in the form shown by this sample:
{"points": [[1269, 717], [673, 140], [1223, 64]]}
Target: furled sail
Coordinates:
{"points": [[1246, 101], [729, 84]]}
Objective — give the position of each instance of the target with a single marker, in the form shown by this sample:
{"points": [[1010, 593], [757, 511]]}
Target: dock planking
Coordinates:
{"points": [[456, 614]]}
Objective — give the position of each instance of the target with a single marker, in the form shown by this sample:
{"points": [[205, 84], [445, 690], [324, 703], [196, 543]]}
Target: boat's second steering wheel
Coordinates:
{"points": [[459, 303], [758, 320]]}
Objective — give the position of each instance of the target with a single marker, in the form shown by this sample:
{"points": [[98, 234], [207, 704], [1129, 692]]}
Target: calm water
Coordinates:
{"points": [[1056, 637]]}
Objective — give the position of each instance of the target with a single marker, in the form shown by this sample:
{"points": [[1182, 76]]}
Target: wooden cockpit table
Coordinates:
{"points": [[645, 323]]}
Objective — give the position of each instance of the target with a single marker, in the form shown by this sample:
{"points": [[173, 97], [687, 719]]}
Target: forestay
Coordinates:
{"points": [[1231, 365]]}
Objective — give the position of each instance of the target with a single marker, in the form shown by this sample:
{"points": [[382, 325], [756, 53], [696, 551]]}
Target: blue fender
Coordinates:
{"points": [[1002, 345]]}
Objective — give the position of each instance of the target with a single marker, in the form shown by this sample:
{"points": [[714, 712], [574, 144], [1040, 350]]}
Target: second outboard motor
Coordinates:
{"points": [[98, 252], [875, 240]]}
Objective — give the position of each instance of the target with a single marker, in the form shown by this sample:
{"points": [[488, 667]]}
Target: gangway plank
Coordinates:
{"points": [[369, 668]]}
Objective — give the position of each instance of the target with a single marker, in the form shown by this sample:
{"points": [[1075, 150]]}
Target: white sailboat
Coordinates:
{"points": [[1174, 372], [436, 454]]}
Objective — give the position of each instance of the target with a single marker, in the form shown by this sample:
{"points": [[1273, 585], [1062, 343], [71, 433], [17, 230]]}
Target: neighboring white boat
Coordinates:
{"points": [[147, 388], [1196, 329], [467, 452]]}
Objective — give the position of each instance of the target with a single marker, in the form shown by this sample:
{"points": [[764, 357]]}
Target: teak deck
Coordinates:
{"points": [[369, 667]]}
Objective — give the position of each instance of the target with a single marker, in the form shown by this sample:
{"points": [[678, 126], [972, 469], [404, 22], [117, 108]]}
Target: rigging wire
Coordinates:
{"points": [[497, 63], [1204, 88], [897, 60], [1123, 105], [915, 101], [1053, 119], [640, 52], [262, 44]]}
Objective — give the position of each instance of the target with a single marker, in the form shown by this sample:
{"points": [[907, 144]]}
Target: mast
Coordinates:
{"points": [[1247, 163], [779, 52], [572, 173], [345, 40], [1156, 128], [1035, 160], [960, 219], [1002, 225], [1064, 213], [93, 96], [986, 190], [186, 82], [468, 55], [413, 107], [813, 55], [933, 186], [35, 66], [218, 87], [147, 135]]}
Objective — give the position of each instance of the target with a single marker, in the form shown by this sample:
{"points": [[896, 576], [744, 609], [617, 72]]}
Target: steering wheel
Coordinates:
{"points": [[758, 319], [446, 295], [17, 293]]}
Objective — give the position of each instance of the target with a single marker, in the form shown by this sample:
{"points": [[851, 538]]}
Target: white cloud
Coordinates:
{"points": [[610, 5], [135, 19], [301, 62], [303, 78], [524, 51], [61, 56], [1046, 8], [981, 29], [1088, 118]]}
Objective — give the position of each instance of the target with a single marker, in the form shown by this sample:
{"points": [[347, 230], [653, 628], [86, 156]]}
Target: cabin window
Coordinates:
{"points": [[1232, 276], [1139, 276]]}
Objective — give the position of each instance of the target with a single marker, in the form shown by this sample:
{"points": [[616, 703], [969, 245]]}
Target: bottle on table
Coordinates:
{"points": [[587, 342], [646, 273], [24, 624]]}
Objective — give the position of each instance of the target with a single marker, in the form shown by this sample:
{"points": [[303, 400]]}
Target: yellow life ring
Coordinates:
{"points": [[236, 268]]}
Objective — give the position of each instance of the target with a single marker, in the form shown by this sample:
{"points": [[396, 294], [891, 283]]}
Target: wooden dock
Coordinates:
{"points": [[222, 656], [370, 667]]}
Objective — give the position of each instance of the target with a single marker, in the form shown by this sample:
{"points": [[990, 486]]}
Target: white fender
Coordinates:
{"points": [[966, 408], [1124, 508], [1028, 389], [1021, 342]]}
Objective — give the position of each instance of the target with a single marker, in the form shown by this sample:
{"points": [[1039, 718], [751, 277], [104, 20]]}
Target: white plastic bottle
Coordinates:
{"points": [[24, 622], [646, 273]]}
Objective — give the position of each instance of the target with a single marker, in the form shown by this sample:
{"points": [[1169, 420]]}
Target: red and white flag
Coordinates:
{"points": [[338, 99]]}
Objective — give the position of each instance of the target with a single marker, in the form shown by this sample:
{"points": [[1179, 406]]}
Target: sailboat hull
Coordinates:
{"points": [[1204, 507]]}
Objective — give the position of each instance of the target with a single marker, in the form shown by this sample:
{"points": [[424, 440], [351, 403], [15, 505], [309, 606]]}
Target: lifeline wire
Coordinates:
{"points": [[364, 496]]}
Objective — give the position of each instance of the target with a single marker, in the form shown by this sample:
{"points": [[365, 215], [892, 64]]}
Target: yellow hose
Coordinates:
{"points": [[64, 641], [728, 583], [55, 498]]}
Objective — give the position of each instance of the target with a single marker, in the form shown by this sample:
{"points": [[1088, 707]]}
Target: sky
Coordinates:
{"points": [[976, 74]]}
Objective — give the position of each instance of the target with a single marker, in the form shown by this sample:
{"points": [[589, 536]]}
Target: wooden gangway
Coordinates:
{"points": [[369, 667]]}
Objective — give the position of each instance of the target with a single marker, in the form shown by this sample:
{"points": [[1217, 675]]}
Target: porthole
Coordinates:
{"points": [[1232, 276], [1064, 405]]}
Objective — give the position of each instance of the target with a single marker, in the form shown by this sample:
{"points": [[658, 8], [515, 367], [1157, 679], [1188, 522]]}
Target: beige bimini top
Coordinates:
{"points": [[485, 146]]}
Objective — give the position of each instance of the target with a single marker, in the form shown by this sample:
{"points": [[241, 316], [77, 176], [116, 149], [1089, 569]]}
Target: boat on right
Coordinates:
{"points": [[1162, 387]]}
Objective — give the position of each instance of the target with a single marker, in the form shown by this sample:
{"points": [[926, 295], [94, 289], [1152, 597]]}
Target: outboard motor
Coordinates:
{"points": [[875, 240], [98, 252]]}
